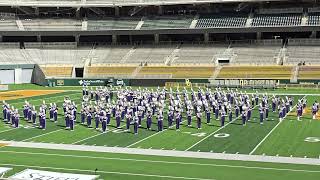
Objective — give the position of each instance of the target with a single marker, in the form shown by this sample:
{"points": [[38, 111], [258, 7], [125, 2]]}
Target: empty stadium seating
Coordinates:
{"points": [[314, 19], [111, 54], [221, 21], [176, 71], [255, 54], [277, 20], [109, 71], [51, 24], [166, 22], [151, 54], [308, 54], [255, 72], [199, 54], [57, 70], [309, 72], [112, 24]]}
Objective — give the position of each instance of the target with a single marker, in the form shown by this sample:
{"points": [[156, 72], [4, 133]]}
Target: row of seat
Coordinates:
{"points": [[255, 72], [57, 70], [227, 72], [309, 72], [160, 22]]}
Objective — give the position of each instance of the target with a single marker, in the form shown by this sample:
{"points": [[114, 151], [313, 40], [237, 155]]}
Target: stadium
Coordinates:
{"points": [[159, 89]]}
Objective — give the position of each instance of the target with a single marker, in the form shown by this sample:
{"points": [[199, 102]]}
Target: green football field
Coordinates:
{"points": [[289, 138]]}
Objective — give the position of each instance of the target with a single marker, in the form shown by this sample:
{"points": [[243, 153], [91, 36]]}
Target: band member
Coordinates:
{"points": [[149, 120], [160, 122], [189, 117], [118, 118], [199, 114]]}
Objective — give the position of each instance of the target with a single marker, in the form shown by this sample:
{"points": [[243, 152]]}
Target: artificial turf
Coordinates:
{"points": [[286, 140]]}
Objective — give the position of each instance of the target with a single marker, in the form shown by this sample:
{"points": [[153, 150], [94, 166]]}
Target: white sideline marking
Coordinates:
{"points": [[42, 135], [163, 162], [109, 172], [258, 145], [145, 138], [215, 132], [7, 131]]}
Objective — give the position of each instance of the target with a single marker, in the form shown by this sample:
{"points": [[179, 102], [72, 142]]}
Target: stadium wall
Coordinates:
{"points": [[16, 74], [38, 76]]}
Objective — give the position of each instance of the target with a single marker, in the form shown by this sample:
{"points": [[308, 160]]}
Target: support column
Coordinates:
{"points": [[160, 10], [78, 13], [130, 39], [77, 39], [114, 39], [38, 38], [116, 11], [313, 34], [156, 38], [36, 11], [206, 37], [259, 35]]}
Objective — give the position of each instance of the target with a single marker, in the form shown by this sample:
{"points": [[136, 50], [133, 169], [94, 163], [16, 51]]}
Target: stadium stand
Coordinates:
{"points": [[255, 54], [303, 50], [307, 54], [8, 22], [277, 20], [210, 21], [99, 71], [199, 53], [51, 24], [255, 72], [309, 72], [106, 24], [61, 70], [164, 22], [176, 71], [314, 19], [151, 54], [110, 54]]}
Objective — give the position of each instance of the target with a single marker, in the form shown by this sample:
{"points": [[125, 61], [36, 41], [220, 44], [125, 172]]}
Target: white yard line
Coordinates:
{"points": [[7, 130], [108, 172], [258, 145], [81, 140], [159, 132], [145, 138], [215, 132], [42, 135]]}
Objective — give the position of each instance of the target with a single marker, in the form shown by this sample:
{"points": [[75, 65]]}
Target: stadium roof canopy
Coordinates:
{"points": [[112, 3]]}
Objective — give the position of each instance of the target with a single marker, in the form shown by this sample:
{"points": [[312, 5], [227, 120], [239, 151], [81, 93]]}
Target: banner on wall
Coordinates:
{"points": [[31, 174]]}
